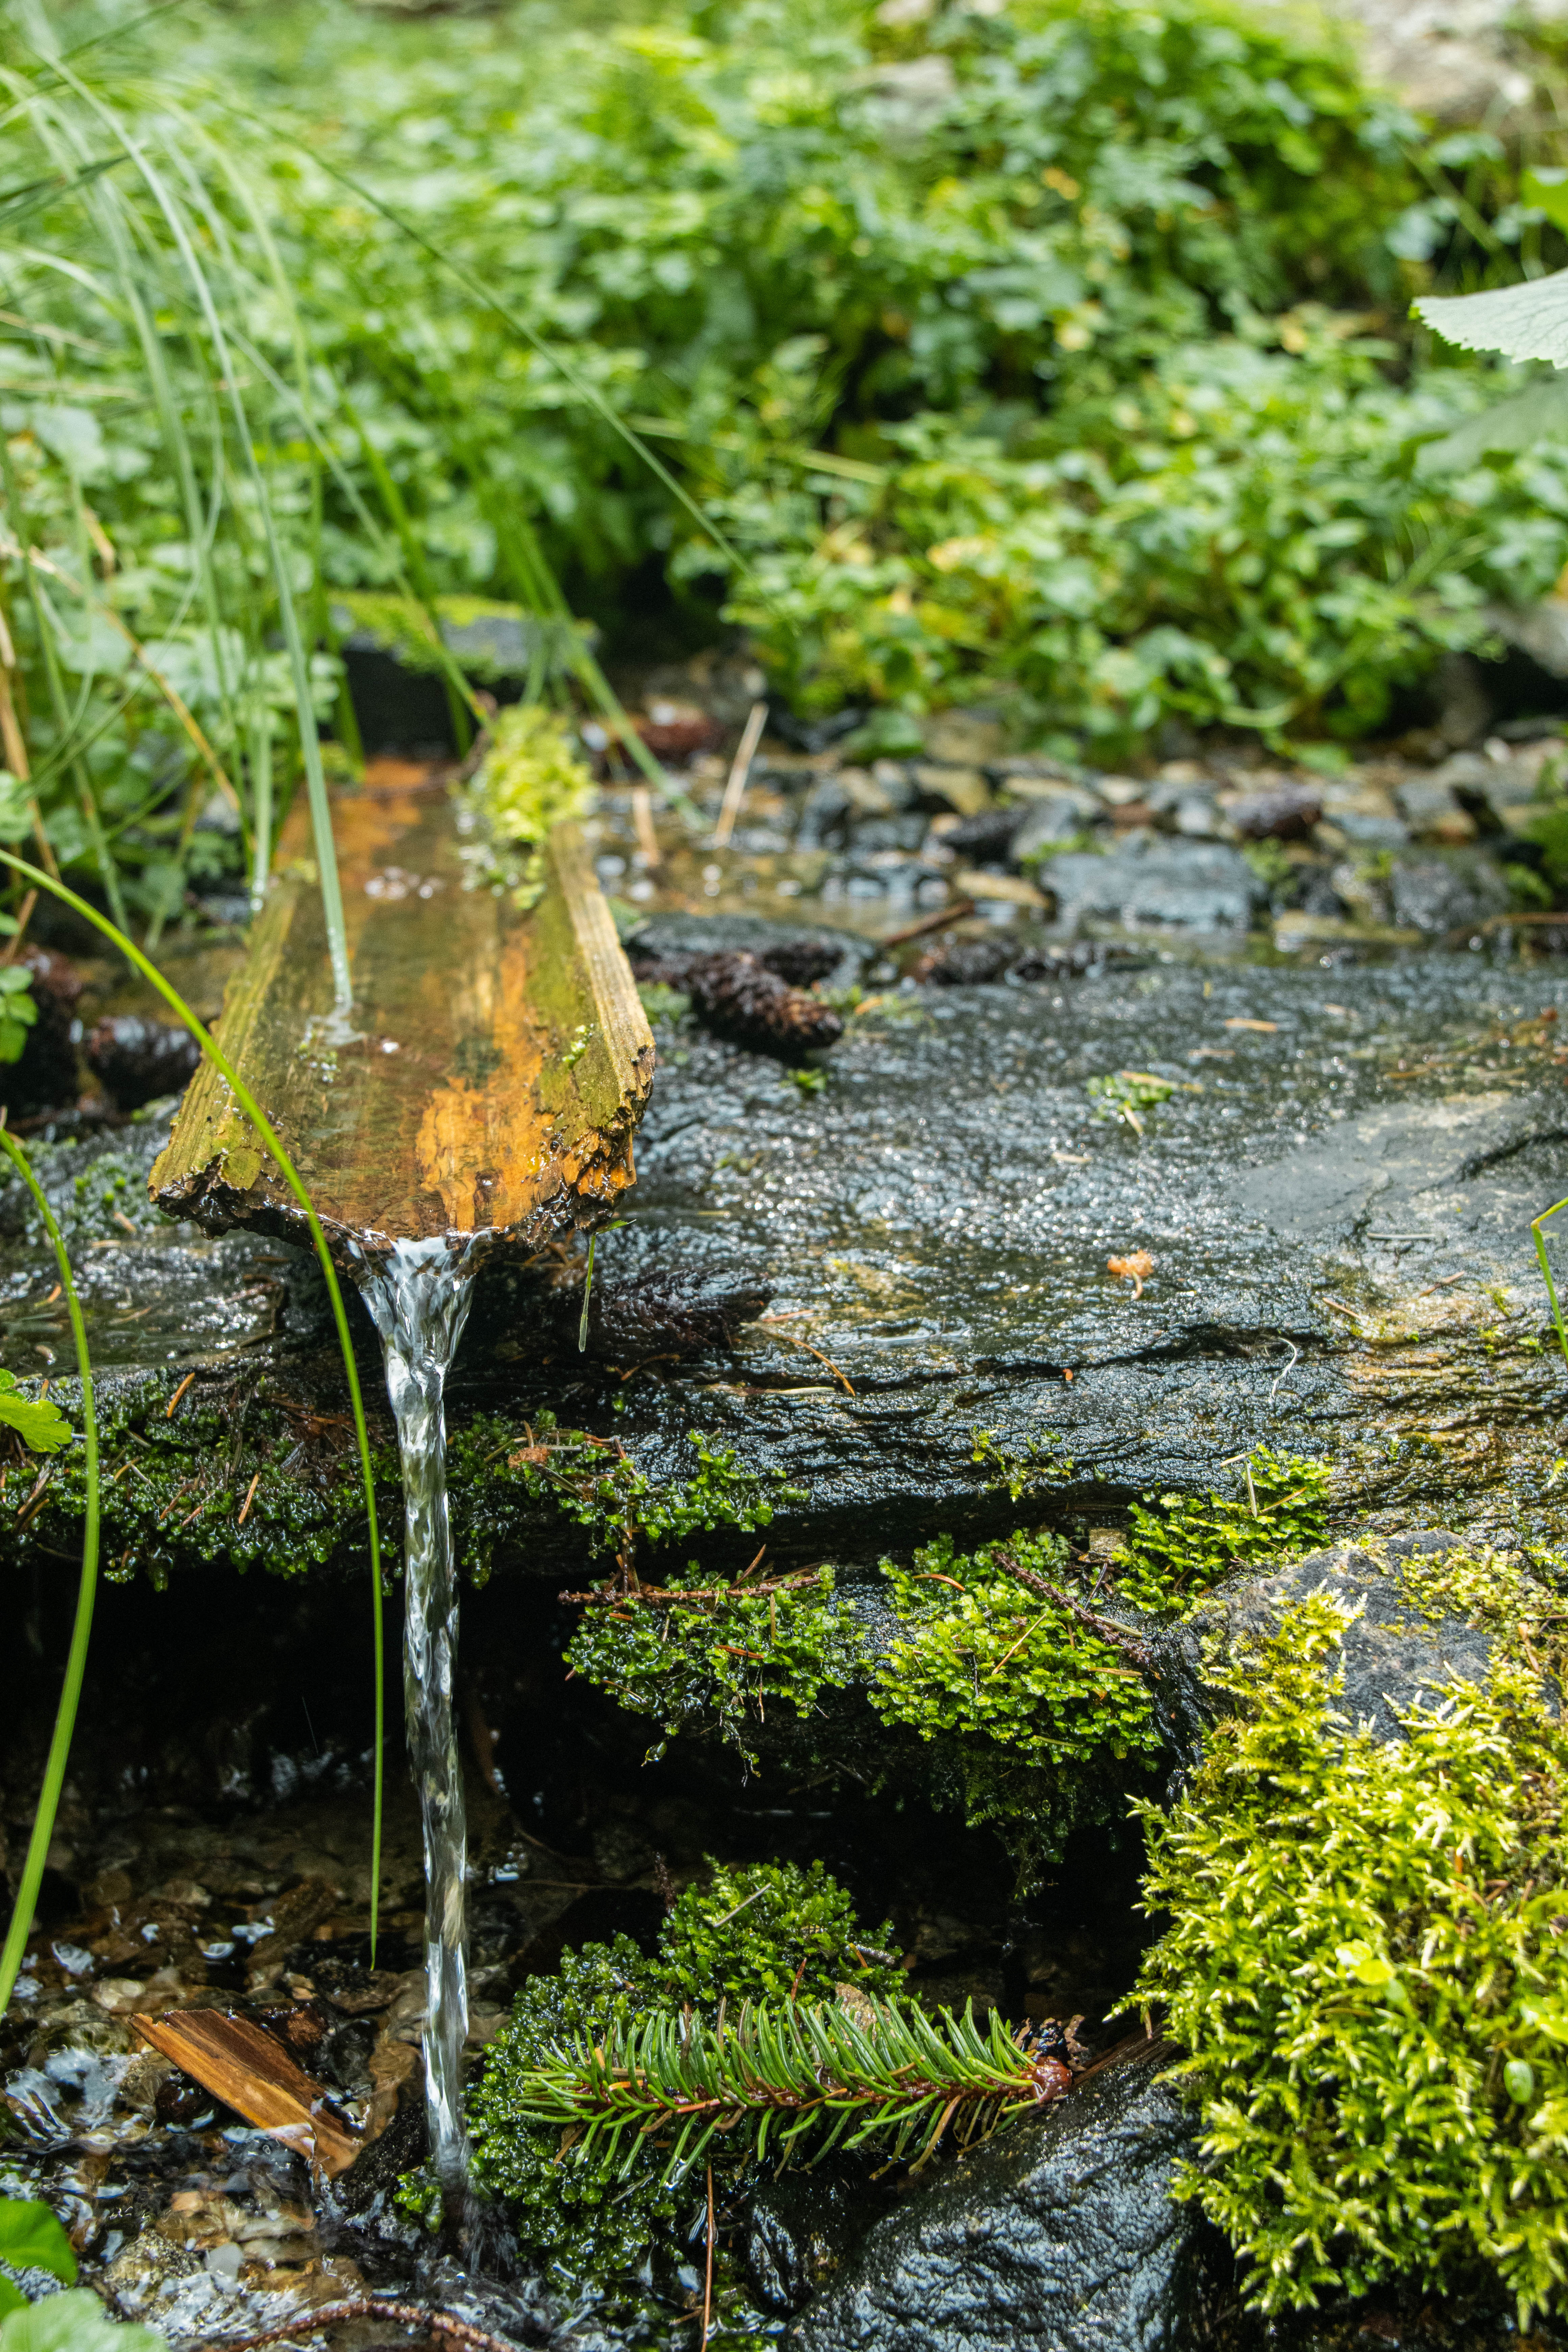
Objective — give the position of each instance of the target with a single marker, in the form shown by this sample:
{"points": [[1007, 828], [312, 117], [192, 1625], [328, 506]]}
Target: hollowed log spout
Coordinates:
{"points": [[492, 1073]]}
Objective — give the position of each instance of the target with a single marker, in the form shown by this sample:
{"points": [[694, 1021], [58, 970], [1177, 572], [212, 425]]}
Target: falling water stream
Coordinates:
{"points": [[419, 1296]]}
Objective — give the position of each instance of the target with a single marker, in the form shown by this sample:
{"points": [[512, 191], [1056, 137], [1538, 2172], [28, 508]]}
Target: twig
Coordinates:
{"points": [[659, 1596], [13, 944], [735, 789], [330, 2315], [642, 821], [189, 1381], [249, 1499], [791, 1341], [1106, 1627], [927, 923], [1294, 1360]]}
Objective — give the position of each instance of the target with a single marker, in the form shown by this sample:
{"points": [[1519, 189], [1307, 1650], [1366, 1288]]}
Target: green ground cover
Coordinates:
{"points": [[1054, 358]]}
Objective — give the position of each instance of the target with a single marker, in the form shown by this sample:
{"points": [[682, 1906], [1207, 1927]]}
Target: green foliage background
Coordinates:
{"points": [[1057, 357]]}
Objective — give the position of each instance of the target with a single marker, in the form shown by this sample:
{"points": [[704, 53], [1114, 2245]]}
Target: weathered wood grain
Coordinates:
{"points": [[240, 2063], [499, 1062]]}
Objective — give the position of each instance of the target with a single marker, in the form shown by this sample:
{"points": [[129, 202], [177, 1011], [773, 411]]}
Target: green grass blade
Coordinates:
{"points": [[264, 1128], [70, 1693]]}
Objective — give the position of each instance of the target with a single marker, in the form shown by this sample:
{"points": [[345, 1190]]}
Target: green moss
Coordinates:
{"points": [[1365, 1964], [984, 1655], [1174, 1553], [743, 1935], [718, 1668], [530, 780]]}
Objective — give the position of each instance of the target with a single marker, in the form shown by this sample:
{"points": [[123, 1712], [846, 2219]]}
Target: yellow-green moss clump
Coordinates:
{"points": [[531, 779], [1367, 1962]]}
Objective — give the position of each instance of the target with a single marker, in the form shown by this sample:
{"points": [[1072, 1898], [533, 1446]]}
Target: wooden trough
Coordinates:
{"points": [[492, 1074]]}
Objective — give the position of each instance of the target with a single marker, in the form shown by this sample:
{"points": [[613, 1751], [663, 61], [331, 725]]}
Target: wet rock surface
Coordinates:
{"points": [[1061, 2234], [1395, 1657]]}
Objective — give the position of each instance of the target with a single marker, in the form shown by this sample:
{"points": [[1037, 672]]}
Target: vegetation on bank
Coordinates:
{"points": [[1052, 358]]}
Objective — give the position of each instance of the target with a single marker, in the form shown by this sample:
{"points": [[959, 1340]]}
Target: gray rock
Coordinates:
{"points": [[1059, 2233], [1393, 1658], [1437, 893], [1186, 885], [1052, 819]]}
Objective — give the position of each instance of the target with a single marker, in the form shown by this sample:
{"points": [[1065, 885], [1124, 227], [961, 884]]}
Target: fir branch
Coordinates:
{"points": [[801, 2078]]}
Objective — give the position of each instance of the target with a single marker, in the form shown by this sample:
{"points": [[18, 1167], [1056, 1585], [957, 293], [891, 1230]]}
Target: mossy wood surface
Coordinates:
{"points": [[501, 1060]]}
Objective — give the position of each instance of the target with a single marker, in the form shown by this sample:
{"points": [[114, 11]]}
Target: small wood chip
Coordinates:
{"points": [[241, 2064]]}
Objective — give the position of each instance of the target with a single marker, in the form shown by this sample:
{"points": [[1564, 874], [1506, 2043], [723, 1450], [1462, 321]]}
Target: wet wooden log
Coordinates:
{"points": [[496, 1063], [240, 2063]]}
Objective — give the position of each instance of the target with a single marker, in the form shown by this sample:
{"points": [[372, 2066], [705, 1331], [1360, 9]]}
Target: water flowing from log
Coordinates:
{"points": [[419, 1296]]}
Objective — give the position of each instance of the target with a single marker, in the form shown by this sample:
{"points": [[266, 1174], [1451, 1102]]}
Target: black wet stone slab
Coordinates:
{"points": [[1337, 1205], [1336, 1197], [1059, 2234]]}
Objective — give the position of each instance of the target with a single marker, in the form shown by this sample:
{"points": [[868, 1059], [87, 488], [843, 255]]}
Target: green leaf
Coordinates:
{"points": [[1524, 323], [43, 1428], [1537, 414], [17, 1009], [11, 2298], [31, 2239], [75, 2322]]}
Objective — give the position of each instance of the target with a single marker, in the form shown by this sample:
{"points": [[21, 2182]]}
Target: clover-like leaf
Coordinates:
{"points": [[44, 1429], [75, 2322]]}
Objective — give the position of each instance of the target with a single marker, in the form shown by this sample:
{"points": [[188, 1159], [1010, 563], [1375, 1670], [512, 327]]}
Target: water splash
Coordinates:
{"points": [[419, 1296]]}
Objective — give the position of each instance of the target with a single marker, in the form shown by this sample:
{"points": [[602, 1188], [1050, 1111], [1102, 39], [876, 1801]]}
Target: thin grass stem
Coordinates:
{"points": [[265, 1129], [48, 1803]]}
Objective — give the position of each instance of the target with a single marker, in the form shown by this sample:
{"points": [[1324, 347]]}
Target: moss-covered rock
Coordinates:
{"points": [[1367, 1887]]}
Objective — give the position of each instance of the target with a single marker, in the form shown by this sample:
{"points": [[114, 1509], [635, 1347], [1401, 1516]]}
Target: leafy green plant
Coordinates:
{"points": [[529, 779], [699, 1657], [75, 2322], [31, 2239], [597, 1483], [1123, 1096], [18, 1012], [739, 1936], [40, 1424], [985, 1649], [767, 1931], [1173, 1554], [1364, 1966]]}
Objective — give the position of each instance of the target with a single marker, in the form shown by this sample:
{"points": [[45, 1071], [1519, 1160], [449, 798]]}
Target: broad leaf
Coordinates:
{"points": [[31, 2239], [1524, 323], [43, 1427], [1537, 414], [75, 2322], [11, 2297], [17, 1009]]}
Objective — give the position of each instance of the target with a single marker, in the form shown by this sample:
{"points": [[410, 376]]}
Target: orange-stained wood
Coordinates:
{"points": [[242, 2065], [494, 1068]]}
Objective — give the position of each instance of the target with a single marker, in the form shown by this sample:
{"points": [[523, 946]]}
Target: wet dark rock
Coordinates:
{"points": [[1438, 893], [402, 2148], [1280, 812], [44, 1076], [1058, 817], [1393, 1656], [1059, 2233], [135, 1060], [988, 838], [1192, 885], [803, 2224], [964, 963]]}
